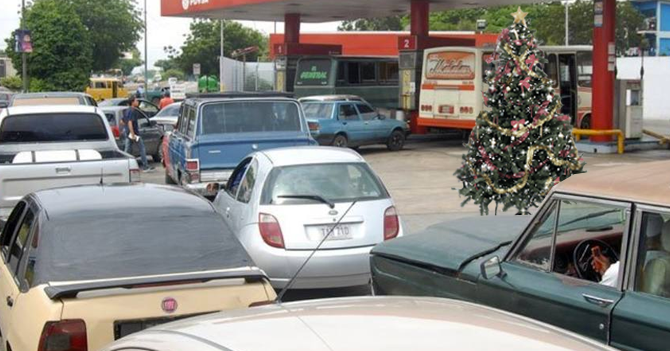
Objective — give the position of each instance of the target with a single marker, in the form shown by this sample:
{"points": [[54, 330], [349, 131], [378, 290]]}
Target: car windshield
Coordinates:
{"points": [[108, 102], [172, 110], [320, 110], [250, 116], [337, 182], [133, 243], [52, 127]]}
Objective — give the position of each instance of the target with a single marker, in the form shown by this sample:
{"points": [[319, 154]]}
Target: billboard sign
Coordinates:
{"points": [[23, 40]]}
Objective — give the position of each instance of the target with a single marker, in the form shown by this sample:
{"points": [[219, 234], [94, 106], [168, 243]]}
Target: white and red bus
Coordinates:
{"points": [[453, 81]]}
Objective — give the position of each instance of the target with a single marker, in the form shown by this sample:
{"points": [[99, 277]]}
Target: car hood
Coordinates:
{"points": [[451, 245], [369, 323]]}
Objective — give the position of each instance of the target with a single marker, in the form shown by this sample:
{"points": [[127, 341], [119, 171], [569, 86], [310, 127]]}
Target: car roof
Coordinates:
{"points": [[647, 183], [332, 98], [114, 108], [370, 323], [49, 94], [301, 155], [91, 199], [47, 109]]}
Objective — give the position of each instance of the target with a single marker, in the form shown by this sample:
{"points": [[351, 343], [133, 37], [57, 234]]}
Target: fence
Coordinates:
{"points": [[252, 76]]}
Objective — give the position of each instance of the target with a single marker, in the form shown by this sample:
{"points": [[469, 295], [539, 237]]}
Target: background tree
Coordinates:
{"points": [[203, 43], [128, 64], [11, 83], [62, 49], [523, 146], [393, 23], [114, 27]]}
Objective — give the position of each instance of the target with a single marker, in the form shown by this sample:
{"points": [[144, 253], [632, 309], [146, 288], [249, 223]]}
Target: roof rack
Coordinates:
{"points": [[239, 94]]}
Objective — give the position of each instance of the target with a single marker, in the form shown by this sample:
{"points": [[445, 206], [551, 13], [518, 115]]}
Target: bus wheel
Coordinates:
{"points": [[586, 122], [340, 141], [396, 140]]}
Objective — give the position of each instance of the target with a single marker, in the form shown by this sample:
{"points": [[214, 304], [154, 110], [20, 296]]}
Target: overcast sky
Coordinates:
{"points": [[163, 31]]}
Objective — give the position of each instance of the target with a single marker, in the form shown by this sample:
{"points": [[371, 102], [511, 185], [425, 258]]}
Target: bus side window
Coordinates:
{"points": [[369, 72], [584, 68], [388, 73], [341, 74], [551, 68], [354, 73]]}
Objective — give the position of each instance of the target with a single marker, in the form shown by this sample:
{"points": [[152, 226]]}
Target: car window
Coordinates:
{"points": [[652, 275], [247, 184], [52, 127], [145, 106], [250, 117], [340, 182], [318, 110], [191, 124], [19, 243], [347, 112], [367, 112], [111, 118], [183, 120], [10, 228], [536, 248], [172, 110], [236, 178], [28, 262]]}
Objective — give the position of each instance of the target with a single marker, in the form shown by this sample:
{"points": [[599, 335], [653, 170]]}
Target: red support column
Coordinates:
{"points": [[420, 11], [292, 28], [603, 69]]}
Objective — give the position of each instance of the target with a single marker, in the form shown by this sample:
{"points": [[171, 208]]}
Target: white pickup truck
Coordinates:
{"points": [[44, 147]]}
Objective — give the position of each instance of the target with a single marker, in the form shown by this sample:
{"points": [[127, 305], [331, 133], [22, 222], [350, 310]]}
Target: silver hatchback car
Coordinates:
{"points": [[282, 203]]}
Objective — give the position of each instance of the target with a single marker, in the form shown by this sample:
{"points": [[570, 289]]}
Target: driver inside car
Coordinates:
{"points": [[607, 270]]}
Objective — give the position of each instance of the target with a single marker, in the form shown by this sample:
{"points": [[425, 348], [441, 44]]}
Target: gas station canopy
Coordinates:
{"points": [[310, 10]]}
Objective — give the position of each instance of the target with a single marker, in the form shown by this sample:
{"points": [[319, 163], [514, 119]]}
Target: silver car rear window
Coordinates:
{"points": [[52, 127], [337, 182]]}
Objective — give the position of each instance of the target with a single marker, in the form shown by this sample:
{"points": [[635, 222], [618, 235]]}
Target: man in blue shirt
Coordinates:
{"points": [[131, 132]]}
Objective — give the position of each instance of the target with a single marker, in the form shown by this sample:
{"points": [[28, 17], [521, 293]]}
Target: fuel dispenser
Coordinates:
{"points": [[628, 107]]}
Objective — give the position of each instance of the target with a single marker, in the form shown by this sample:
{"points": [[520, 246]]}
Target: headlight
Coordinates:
{"points": [[215, 176]]}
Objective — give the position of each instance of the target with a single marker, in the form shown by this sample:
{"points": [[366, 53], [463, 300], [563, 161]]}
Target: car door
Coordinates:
{"points": [[148, 108], [540, 277], [226, 201], [347, 114], [14, 244], [640, 320], [151, 133], [376, 128]]}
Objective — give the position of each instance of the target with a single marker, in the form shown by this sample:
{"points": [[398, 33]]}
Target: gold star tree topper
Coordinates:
{"points": [[520, 16]]}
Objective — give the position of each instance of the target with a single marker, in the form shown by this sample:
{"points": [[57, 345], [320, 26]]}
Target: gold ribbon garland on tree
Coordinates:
{"points": [[521, 131]]}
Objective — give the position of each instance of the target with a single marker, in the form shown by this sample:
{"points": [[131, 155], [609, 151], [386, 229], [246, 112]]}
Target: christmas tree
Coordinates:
{"points": [[523, 146]]}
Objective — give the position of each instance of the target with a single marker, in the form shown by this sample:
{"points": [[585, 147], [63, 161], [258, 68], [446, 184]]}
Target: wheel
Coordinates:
{"points": [[158, 156], [340, 141], [168, 179], [396, 140], [586, 122]]}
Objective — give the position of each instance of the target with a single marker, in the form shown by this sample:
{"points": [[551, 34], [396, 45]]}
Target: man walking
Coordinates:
{"points": [[131, 132]]}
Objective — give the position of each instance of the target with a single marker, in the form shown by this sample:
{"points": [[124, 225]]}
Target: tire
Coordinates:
{"points": [[586, 122], [396, 141], [168, 179], [340, 141], [158, 156]]}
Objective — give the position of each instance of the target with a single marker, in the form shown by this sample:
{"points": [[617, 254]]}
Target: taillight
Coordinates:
{"points": [[193, 170], [115, 132], [135, 176], [270, 230], [67, 335], [391, 223], [313, 126]]}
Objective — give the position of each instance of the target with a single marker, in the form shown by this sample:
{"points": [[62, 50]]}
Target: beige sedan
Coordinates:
{"points": [[368, 323]]}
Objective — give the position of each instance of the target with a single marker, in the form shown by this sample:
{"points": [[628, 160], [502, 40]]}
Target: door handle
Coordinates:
{"points": [[344, 123], [10, 301], [597, 300], [60, 170]]}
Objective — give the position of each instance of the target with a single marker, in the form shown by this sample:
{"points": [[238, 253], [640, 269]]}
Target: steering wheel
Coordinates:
{"points": [[582, 258]]}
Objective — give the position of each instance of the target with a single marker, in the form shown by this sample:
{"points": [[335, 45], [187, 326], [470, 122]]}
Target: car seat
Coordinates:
{"points": [[656, 274], [652, 228]]}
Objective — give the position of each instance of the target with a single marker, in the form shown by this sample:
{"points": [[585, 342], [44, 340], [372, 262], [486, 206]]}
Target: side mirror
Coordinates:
{"points": [[381, 117], [491, 268]]}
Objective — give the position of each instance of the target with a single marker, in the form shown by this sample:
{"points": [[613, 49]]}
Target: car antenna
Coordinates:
{"points": [[290, 283]]}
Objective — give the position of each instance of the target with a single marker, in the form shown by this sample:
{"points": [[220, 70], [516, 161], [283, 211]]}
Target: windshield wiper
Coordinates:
{"points": [[310, 197], [589, 216]]}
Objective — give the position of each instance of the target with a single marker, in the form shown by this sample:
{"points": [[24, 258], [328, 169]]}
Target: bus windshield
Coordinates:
{"points": [[314, 72]]}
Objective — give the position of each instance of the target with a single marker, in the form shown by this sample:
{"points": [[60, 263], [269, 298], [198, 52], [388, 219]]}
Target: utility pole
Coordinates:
{"points": [[567, 20], [24, 55], [146, 51], [221, 85]]}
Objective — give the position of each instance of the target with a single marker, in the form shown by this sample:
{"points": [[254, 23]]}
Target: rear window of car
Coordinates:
{"points": [[250, 117], [337, 182], [134, 242], [42, 101], [172, 110], [320, 110], [52, 127]]}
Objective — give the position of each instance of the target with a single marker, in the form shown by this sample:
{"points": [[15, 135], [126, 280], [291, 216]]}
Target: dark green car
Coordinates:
{"points": [[595, 259]]}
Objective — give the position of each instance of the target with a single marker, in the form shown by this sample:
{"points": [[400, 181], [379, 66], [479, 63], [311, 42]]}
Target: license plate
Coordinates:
{"points": [[125, 328], [341, 232]]}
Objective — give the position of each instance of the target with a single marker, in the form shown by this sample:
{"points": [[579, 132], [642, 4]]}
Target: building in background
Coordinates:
{"points": [[6, 67], [657, 25]]}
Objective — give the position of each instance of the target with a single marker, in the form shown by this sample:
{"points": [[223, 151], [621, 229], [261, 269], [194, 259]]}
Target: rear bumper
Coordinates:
{"points": [[333, 268]]}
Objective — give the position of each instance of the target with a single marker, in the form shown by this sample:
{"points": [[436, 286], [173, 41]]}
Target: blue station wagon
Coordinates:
{"points": [[349, 121], [215, 132]]}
